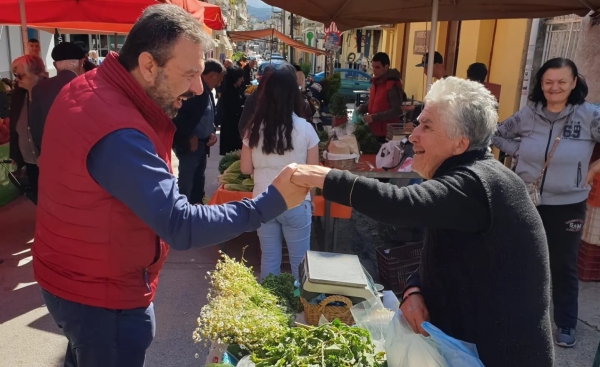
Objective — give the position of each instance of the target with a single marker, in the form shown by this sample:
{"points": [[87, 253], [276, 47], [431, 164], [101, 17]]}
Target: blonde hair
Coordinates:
{"points": [[33, 64], [93, 54]]}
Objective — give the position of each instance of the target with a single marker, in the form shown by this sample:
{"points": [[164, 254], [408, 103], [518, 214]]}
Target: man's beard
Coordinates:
{"points": [[162, 95]]}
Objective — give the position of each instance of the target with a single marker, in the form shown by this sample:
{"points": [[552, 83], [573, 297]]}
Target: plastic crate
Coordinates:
{"points": [[588, 262], [594, 195], [591, 228], [396, 264]]}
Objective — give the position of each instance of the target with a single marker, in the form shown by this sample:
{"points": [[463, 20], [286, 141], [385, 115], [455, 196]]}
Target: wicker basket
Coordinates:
{"points": [[312, 313], [343, 164]]}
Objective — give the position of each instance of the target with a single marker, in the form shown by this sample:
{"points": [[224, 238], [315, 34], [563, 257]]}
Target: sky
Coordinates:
{"points": [[257, 4]]}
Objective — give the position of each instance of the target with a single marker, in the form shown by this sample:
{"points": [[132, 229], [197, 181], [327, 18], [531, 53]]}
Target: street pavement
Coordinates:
{"points": [[29, 338]]}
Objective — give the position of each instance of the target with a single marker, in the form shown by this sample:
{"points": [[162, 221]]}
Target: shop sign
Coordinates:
{"points": [[421, 42]]}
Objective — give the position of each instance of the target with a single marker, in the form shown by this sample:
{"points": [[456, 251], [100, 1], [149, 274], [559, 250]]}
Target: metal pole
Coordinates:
{"points": [[283, 31], [432, 37], [116, 42], [292, 37], [23, 26]]}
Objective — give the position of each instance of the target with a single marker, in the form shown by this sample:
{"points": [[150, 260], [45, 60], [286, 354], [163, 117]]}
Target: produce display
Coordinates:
{"points": [[231, 176], [329, 345], [239, 310], [250, 89], [251, 319], [282, 286], [367, 141]]}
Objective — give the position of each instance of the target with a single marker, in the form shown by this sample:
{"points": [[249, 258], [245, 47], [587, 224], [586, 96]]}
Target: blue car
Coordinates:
{"points": [[274, 62], [351, 79]]}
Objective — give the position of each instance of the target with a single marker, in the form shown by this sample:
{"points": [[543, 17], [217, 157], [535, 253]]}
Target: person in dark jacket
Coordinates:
{"points": [[484, 276], [229, 110], [68, 61], [195, 133], [29, 70], [249, 73]]}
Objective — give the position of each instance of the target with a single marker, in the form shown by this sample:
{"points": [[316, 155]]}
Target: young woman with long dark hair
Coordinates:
{"points": [[275, 137]]}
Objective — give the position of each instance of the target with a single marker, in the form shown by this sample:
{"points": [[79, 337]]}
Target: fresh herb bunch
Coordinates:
{"points": [[282, 286], [329, 345], [228, 159], [239, 311], [367, 141]]}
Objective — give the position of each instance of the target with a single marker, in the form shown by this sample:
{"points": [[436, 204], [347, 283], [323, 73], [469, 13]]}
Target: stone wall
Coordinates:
{"points": [[587, 56]]}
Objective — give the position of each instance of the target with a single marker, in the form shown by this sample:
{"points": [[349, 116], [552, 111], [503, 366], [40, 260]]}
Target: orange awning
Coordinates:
{"points": [[206, 13], [271, 32]]}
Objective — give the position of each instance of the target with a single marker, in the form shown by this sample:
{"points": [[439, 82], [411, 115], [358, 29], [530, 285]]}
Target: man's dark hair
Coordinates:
{"points": [[381, 57], [33, 40], [213, 66], [297, 67], [578, 94], [156, 32], [244, 59], [477, 72]]}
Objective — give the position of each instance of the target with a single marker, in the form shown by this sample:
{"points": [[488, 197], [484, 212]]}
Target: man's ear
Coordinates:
{"points": [[147, 67]]}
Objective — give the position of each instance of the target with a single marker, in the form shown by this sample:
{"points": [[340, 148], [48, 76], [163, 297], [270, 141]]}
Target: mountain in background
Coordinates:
{"points": [[262, 13]]}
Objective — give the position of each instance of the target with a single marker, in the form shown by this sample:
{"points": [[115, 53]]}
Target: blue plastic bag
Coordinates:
{"points": [[356, 117], [456, 352]]}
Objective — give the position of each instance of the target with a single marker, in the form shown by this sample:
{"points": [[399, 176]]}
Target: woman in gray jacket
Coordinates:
{"points": [[557, 133]]}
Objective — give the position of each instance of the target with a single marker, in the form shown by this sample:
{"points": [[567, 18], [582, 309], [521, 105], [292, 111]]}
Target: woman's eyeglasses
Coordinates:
{"points": [[19, 76]]}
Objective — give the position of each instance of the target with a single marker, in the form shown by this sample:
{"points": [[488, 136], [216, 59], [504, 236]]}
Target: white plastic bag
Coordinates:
{"points": [[405, 348], [389, 155]]}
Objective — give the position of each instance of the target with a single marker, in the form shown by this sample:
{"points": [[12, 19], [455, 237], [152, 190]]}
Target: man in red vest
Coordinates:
{"points": [[385, 98], [108, 203]]}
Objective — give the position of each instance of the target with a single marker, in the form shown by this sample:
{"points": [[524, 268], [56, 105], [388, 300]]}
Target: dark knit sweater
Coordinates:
{"points": [[484, 271]]}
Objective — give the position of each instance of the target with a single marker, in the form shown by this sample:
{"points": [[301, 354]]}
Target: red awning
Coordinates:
{"points": [[270, 33], [97, 16], [206, 13]]}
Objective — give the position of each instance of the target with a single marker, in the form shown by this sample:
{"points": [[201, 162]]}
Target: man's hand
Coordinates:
{"points": [[292, 194], [414, 311], [193, 143], [310, 176], [212, 141], [368, 118]]}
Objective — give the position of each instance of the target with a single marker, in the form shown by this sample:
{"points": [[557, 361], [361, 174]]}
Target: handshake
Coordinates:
{"points": [[295, 181]]}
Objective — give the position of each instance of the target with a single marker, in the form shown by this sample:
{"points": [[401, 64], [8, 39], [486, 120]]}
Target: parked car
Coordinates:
{"points": [[351, 79], [275, 62]]}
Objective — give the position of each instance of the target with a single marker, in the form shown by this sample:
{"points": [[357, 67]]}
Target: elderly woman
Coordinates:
{"points": [[28, 70], [557, 132], [484, 275]]}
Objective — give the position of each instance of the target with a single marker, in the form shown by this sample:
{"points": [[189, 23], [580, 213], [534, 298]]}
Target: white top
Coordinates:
{"points": [[268, 166]]}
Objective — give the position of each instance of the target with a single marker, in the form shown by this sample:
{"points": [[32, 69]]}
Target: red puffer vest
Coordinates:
{"points": [[89, 247], [378, 102]]}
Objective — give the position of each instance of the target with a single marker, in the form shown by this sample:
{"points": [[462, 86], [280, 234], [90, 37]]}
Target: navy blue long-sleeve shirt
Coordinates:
{"points": [[126, 165]]}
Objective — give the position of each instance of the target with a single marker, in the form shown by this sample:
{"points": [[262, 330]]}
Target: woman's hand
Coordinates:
{"points": [[310, 175], [592, 172], [414, 311]]}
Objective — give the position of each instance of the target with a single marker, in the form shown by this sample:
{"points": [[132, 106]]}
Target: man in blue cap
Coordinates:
{"points": [[439, 69], [68, 61]]}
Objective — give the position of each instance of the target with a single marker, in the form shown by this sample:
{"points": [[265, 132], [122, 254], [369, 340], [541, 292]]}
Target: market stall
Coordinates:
{"points": [[334, 315]]}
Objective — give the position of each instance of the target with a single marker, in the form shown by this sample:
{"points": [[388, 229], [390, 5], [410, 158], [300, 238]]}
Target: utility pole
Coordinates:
{"points": [[292, 37], [283, 31]]}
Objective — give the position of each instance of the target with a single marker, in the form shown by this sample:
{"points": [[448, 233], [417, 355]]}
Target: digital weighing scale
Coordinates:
{"points": [[335, 274]]}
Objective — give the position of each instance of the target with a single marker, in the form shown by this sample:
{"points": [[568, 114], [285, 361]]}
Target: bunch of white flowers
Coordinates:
{"points": [[239, 310]]}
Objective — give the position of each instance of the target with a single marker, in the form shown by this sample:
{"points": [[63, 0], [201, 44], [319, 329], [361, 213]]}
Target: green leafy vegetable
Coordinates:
{"points": [[283, 287], [329, 345]]}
